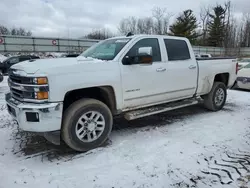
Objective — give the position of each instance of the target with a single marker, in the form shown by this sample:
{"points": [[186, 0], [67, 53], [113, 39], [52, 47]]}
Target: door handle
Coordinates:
{"points": [[161, 69], [192, 67]]}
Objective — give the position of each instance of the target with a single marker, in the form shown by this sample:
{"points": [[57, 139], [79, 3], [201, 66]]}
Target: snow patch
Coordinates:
{"points": [[190, 147]]}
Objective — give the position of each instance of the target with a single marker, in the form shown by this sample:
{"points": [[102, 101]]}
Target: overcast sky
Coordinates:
{"points": [[60, 18]]}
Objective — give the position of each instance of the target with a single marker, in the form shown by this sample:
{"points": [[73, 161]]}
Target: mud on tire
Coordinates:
{"points": [[81, 131], [216, 98]]}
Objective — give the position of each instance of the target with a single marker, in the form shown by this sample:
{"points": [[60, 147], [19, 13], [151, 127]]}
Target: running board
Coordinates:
{"points": [[159, 109]]}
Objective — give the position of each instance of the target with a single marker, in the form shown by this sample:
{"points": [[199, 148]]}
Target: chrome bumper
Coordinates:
{"points": [[32, 117]]}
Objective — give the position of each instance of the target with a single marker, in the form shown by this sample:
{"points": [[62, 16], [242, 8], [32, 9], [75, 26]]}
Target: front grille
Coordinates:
{"points": [[23, 89], [20, 79], [17, 94]]}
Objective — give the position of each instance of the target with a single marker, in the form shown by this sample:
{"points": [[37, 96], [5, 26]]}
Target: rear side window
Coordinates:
{"points": [[177, 49]]}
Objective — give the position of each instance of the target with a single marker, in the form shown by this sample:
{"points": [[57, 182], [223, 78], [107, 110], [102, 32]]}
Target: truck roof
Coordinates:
{"points": [[146, 35]]}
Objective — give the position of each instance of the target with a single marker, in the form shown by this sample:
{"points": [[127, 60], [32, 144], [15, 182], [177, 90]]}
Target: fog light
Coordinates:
{"points": [[41, 95], [32, 116]]}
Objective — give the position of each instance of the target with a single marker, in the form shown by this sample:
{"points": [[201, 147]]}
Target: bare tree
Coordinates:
{"points": [[246, 31], [162, 18], [128, 25], [204, 17], [99, 34], [14, 31], [4, 30], [145, 26], [157, 24], [149, 25], [228, 27]]}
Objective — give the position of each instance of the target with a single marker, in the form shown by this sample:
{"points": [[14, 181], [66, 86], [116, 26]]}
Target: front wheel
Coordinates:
{"points": [[87, 124], [216, 98]]}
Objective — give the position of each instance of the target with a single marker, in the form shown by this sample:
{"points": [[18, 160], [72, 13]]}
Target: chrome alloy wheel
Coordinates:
{"points": [[219, 97], [90, 126]]}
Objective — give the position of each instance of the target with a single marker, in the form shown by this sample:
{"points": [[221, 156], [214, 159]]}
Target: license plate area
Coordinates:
{"points": [[11, 110]]}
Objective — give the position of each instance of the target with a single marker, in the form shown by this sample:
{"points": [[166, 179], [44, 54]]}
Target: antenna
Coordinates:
{"points": [[129, 34]]}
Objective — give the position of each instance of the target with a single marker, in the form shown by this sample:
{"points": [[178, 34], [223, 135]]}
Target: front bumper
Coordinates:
{"points": [[32, 117]]}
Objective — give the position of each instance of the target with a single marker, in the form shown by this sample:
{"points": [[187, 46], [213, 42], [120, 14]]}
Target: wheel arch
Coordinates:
{"points": [[105, 94], [222, 77]]}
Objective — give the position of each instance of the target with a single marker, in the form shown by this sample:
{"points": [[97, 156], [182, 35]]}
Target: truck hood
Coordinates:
{"points": [[44, 65]]}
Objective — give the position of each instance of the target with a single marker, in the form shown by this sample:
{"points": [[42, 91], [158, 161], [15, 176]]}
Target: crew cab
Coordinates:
{"points": [[131, 76]]}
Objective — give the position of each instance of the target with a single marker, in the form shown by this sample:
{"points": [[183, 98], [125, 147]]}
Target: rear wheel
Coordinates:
{"points": [[216, 98], [86, 125]]}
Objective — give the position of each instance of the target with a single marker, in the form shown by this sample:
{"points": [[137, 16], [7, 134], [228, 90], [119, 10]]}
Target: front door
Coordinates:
{"points": [[142, 84]]}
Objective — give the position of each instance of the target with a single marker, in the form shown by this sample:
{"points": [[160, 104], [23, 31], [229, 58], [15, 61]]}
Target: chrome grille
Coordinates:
{"points": [[20, 79], [17, 94], [23, 89]]}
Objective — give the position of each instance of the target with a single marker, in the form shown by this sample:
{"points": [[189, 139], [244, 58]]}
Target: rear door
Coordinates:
{"points": [[182, 69]]}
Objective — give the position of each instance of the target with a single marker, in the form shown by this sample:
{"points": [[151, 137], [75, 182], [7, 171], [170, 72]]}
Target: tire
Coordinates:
{"points": [[213, 96], [75, 124]]}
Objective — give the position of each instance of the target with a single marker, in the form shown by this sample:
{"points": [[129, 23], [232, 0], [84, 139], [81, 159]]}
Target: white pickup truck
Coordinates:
{"points": [[133, 76]]}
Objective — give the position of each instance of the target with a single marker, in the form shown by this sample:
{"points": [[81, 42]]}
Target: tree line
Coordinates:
{"points": [[14, 31], [215, 26]]}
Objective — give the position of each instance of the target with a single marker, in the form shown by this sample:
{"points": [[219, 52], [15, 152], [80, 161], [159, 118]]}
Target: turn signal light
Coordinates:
{"points": [[42, 81], [41, 95]]}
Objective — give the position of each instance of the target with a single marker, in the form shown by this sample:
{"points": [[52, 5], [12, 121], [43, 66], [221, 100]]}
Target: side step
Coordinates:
{"points": [[159, 109]]}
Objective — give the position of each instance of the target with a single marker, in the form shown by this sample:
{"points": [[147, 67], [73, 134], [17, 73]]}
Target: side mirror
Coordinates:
{"points": [[145, 51], [144, 57]]}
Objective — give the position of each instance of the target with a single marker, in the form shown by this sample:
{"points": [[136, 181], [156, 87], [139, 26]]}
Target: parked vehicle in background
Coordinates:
{"points": [[134, 76], [7, 63], [71, 55], [203, 56], [1, 77], [243, 78], [243, 62], [2, 58]]}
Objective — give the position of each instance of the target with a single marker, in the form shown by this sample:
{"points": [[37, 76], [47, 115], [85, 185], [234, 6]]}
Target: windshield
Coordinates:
{"points": [[106, 50]]}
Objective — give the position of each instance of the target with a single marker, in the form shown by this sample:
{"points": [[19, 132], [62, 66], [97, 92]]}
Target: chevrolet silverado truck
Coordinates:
{"points": [[131, 76]]}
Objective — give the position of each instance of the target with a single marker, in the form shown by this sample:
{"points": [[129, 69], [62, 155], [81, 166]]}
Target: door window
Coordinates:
{"points": [[149, 42], [177, 49]]}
